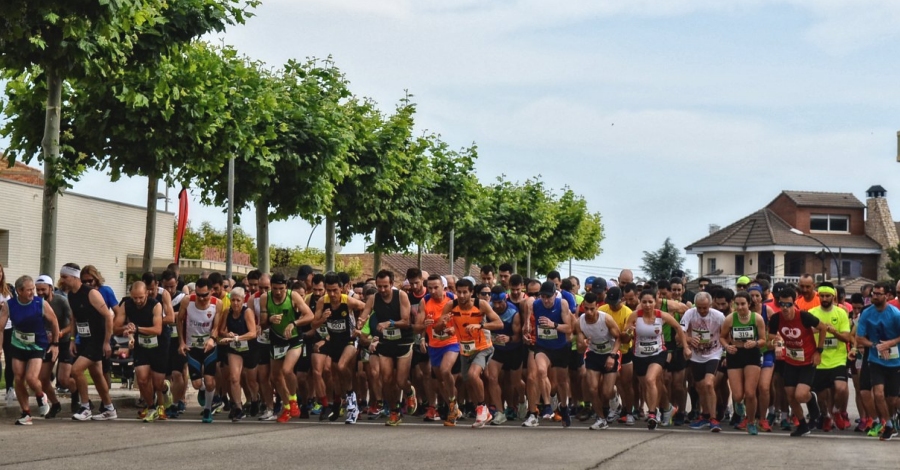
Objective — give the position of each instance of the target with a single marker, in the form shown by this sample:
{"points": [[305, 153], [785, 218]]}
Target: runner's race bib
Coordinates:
{"points": [[148, 342], [240, 346], [24, 338], [742, 333], [278, 352], [84, 329], [796, 354], [602, 348], [648, 348], [263, 337], [547, 333], [468, 347], [392, 334], [199, 341]]}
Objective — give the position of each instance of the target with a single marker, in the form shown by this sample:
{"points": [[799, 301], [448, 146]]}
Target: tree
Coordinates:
{"points": [[207, 236], [576, 235], [893, 264], [660, 263]]}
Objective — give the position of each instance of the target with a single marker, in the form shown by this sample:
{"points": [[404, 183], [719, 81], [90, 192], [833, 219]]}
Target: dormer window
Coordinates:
{"points": [[829, 223]]}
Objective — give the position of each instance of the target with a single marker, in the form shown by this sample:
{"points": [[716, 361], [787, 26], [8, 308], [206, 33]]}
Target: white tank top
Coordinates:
{"points": [[601, 342], [199, 322], [263, 337], [648, 339]]}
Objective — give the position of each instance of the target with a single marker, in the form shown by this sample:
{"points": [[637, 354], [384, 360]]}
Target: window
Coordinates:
{"points": [[829, 223], [739, 264], [710, 265], [4, 247]]}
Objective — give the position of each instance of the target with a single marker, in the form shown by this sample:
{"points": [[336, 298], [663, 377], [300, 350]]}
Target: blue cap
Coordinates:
{"points": [[589, 280]]}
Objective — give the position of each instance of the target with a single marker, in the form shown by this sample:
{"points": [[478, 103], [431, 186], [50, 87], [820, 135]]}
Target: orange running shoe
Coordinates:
{"points": [[285, 416], [295, 409]]}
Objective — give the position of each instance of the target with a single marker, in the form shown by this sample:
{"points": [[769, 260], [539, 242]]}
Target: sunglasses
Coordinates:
{"points": [[87, 281], [742, 286], [785, 304], [487, 293], [203, 296]]}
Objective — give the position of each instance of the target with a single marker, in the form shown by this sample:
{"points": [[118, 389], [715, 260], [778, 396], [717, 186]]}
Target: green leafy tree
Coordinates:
{"points": [[893, 264], [660, 263], [577, 234], [208, 236]]}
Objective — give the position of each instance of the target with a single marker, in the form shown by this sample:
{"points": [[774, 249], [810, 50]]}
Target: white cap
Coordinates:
{"points": [[44, 279], [444, 281], [610, 283]]}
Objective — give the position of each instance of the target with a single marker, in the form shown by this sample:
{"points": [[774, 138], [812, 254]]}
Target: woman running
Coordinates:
{"points": [[239, 334], [741, 337]]}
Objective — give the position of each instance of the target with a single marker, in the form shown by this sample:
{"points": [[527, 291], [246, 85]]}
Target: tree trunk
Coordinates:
{"points": [[419, 258], [329, 243], [262, 236], [50, 149], [376, 257], [515, 265], [468, 266], [150, 227], [229, 243]]}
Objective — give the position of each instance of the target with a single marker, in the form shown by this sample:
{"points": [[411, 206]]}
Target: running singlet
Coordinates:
{"points": [[142, 317], [199, 323], [744, 331], [341, 321], [238, 326], [176, 304], [507, 317], [621, 317], [263, 337], [597, 334], [470, 343], [434, 309], [28, 324], [548, 338], [89, 323], [648, 339], [799, 341], [384, 311], [286, 310]]}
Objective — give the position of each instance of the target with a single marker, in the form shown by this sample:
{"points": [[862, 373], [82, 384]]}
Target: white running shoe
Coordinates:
{"points": [[107, 413], [522, 410], [84, 414], [532, 421], [10, 397], [629, 421], [482, 416], [667, 417], [614, 414], [268, 416], [499, 418], [351, 402], [24, 420], [554, 402], [352, 415], [43, 406], [599, 424]]}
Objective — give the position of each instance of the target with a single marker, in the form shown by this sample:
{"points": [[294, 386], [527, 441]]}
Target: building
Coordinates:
{"points": [[90, 230], [833, 235]]}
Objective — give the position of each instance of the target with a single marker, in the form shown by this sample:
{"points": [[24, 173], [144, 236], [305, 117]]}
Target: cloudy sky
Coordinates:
{"points": [[666, 115]]}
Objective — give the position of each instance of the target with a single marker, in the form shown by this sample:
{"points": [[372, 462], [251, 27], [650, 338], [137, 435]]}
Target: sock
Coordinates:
{"points": [[293, 397], [705, 416], [209, 399], [324, 401], [27, 411], [86, 405]]}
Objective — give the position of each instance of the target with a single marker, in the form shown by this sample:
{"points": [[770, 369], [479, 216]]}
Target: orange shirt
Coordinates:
{"points": [[434, 309], [469, 343], [803, 304]]}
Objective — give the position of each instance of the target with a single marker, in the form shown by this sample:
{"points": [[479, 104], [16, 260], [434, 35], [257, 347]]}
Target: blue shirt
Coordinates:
{"points": [[879, 327], [570, 299]]}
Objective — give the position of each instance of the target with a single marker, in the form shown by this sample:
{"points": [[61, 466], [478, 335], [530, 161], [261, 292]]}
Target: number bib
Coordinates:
{"points": [[648, 348], [547, 333], [278, 352], [199, 341], [263, 337], [24, 338], [147, 342], [831, 343], [240, 346], [337, 326], [467, 348], [702, 335], [322, 331], [441, 336], [894, 353], [391, 334], [742, 333], [795, 354], [84, 329], [602, 348], [174, 333]]}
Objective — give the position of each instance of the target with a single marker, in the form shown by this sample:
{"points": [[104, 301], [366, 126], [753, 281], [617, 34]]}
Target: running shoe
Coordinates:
{"points": [[201, 397], [802, 430], [54, 410], [765, 426], [207, 416], [700, 424], [613, 415], [24, 420], [714, 425], [295, 409], [548, 412], [752, 429], [566, 416], [531, 421], [412, 404], [482, 416], [785, 425], [151, 415], [172, 412], [887, 433], [666, 420], [499, 418], [652, 422], [217, 405], [304, 411], [827, 424], [352, 416], [142, 413], [84, 414], [43, 406], [161, 414], [875, 430], [268, 415], [167, 400], [452, 415], [181, 407], [432, 415], [333, 416], [521, 411], [584, 414], [237, 415], [394, 420], [106, 413], [629, 420], [374, 412], [678, 420], [10, 397], [742, 426], [285, 416], [599, 424], [316, 409]]}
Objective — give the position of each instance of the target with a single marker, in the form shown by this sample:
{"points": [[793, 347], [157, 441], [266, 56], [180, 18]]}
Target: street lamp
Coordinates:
{"points": [[836, 262]]}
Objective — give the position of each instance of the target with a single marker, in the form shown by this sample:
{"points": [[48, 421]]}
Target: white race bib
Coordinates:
{"points": [[337, 326], [199, 341], [602, 348], [831, 343], [648, 348], [24, 338], [322, 331], [147, 342], [548, 333], [263, 337], [742, 333], [392, 334], [796, 354], [442, 335], [174, 333], [240, 346], [468, 347], [702, 335], [894, 353], [84, 329], [278, 352]]}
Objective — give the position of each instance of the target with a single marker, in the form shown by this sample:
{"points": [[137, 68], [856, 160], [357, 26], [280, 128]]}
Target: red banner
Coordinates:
{"points": [[182, 222]]}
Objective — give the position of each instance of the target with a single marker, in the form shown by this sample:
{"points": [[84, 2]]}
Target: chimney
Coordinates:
{"points": [[880, 225], [713, 228]]}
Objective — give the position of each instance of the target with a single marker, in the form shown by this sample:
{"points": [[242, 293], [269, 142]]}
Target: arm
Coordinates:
{"points": [[404, 321], [613, 328], [680, 335], [216, 328], [581, 341], [119, 320], [50, 317], [4, 317], [67, 331], [567, 320], [442, 323], [169, 317], [516, 329], [157, 327], [725, 334], [306, 315], [250, 320], [321, 313], [179, 324], [760, 326], [263, 312], [97, 302], [494, 322]]}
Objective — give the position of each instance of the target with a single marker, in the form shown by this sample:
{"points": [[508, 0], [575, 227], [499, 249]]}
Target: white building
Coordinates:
{"points": [[90, 230]]}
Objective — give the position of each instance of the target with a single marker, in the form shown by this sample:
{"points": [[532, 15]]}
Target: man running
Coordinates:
{"points": [[509, 354], [44, 288], [176, 361], [443, 347], [141, 315], [199, 319], [94, 324], [703, 324], [832, 373], [598, 334], [263, 371], [878, 330], [551, 322]]}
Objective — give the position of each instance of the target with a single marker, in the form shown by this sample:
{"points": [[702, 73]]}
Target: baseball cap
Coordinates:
{"points": [[547, 288], [614, 295], [471, 279], [589, 281], [610, 283], [678, 273], [598, 285], [44, 279], [743, 281]]}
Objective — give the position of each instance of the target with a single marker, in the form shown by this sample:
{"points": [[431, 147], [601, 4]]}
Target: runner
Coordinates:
{"points": [[284, 312], [832, 372], [470, 317], [519, 298], [199, 320], [177, 362], [673, 396], [443, 348], [239, 334], [766, 414], [420, 376], [702, 325], [336, 312], [388, 316], [266, 390], [878, 330], [615, 308], [31, 343], [94, 324], [645, 326], [551, 322], [740, 335], [504, 372], [60, 305], [141, 316], [802, 355], [599, 335]]}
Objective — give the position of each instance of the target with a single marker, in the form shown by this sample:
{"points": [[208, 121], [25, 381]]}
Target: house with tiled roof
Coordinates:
{"points": [[833, 235]]}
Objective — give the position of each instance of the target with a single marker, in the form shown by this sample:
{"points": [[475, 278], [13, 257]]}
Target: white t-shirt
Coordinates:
{"points": [[706, 330]]}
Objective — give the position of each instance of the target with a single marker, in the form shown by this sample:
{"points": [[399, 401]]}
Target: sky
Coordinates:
{"points": [[667, 116]]}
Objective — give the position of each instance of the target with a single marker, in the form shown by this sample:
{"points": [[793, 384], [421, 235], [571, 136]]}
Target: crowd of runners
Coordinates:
{"points": [[762, 357]]}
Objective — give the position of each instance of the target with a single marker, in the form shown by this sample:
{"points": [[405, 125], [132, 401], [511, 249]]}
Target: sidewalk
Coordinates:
{"points": [[125, 400]]}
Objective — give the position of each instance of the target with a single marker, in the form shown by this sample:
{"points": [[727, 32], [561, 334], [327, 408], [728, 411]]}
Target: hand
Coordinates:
{"points": [[183, 350], [53, 351], [732, 349], [72, 349], [750, 344], [882, 347], [502, 339], [851, 355], [429, 321], [527, 338], [288, 330], [107, 349], [610, 362], [687, 353], [817, 358], [422, 347], [381, 326], [545, 322], [694, 342], [471, 327], [209, 345], [373, 345], [275, 319], [225, 340]]}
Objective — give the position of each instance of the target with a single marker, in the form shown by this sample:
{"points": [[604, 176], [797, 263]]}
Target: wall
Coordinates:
{"points": [[798, 217], [89, 231]]}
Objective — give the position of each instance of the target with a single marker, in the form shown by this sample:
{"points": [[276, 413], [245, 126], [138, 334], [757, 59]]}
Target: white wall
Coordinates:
{"points": [[89, 231]]}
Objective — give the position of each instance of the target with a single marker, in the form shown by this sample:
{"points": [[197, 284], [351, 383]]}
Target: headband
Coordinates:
{"points": [[827, 290], [755, 288], [70, 271], [501, 297]]}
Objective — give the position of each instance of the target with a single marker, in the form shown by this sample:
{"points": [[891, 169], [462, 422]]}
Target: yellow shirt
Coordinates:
{"points": [[620, 316]]}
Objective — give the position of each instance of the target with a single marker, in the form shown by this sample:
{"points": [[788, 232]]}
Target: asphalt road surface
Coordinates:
{"points": [[416, 445]]}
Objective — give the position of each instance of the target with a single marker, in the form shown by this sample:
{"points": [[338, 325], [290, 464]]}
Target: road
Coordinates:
{"points": [[414, 445]]}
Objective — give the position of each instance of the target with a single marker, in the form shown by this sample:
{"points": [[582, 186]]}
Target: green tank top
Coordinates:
{"points": [[744, 331], [286, 309], [667, 330]]}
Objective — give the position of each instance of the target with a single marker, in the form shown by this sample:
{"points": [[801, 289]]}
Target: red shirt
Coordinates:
{"points": [[799, 340]]}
